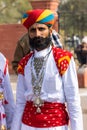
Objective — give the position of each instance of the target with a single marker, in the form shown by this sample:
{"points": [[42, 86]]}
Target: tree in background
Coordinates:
{"points": [[11, 11], [73, 16]]}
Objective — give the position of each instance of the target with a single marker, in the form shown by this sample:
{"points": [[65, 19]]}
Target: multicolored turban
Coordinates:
{"points": [[38, 16]]}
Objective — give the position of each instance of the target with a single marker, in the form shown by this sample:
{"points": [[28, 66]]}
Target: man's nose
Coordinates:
{"points": [[37, 33]]}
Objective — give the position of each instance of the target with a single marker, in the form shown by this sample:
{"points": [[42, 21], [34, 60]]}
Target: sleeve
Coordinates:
{"points": [[20, 103], [72, 96], [10, 105], [22, 49], [18, 54]]}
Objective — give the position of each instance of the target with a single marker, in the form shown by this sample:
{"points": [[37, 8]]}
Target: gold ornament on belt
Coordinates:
{"points": [[1, 96], [3, 127]]}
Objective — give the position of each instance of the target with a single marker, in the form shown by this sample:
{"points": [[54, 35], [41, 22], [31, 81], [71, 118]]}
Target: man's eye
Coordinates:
{"points": [[41, 29], [32, 30]]}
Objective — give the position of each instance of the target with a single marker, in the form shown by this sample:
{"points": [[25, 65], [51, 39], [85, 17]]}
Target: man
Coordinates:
{"points": [[6, 96], [47, 81], [84, 43], [24, 48]]}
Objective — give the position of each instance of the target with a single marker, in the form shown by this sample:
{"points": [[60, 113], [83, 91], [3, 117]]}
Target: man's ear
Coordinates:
{"points": [[50, 30]]}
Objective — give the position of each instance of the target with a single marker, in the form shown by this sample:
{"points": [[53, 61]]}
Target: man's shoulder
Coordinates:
{"points": [[24, 40], [59, 52], [23, 62], [25, 36], [62, 58]]}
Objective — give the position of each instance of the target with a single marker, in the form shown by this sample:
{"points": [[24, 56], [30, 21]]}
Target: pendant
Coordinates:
{"points": [[38, 110], [38, 103]]}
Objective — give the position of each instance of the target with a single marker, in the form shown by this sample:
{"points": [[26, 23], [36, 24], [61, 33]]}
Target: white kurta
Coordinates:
{"points": [[5, 87], [54, 89]]}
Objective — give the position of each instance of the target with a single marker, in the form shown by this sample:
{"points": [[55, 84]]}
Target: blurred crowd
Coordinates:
{"points": [[81, 52], [80, 47], [72, 41]]}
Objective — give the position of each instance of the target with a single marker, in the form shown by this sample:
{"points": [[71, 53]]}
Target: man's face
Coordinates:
{"points": [[84, 46], [39, 36]]}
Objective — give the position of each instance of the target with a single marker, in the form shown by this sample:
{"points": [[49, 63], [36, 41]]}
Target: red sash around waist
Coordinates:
{"points": [[52, 115]]}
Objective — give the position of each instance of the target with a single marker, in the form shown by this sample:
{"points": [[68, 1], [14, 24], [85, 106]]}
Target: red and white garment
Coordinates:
{"points": [[3, 69], [56, 88], [6, 96]]}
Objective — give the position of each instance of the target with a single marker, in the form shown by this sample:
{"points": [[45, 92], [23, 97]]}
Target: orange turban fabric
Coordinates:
{"points": [[38, 16]]}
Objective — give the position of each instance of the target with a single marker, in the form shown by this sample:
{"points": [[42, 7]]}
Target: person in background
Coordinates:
{"points": [[68, 42], [84, 43], [78, 40], [6, 96], [81, 52], [24, 48], [84, 51], [47, 87]]}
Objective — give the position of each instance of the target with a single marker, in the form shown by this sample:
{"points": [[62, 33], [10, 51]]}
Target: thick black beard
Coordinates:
{"points": [[39, 43]]}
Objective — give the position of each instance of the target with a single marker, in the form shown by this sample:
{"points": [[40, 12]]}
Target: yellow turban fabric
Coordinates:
{"points": [[38, 16]]}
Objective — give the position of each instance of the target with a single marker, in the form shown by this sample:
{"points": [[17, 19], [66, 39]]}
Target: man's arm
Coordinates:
{"points": [[17, 56], [21, 50]]}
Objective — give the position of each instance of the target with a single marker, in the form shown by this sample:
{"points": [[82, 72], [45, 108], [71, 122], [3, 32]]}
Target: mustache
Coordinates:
{"points": [[38, 39], [39, 43]]}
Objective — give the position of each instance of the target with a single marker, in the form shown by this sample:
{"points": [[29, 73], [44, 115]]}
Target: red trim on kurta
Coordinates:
{"points": [[5, 68], [62, 59], [2, 116], [23, 62]]}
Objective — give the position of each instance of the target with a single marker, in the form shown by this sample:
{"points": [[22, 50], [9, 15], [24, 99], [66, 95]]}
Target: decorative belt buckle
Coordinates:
{"points": [[38, 102], [1, 96], [3, 127]]}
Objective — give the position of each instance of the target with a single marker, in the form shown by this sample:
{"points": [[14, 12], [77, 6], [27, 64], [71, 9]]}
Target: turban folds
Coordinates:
{"points": [[84, 40], [38, 16]]}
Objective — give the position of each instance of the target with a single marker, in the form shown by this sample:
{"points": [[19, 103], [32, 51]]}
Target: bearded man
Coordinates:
{"points": [[47, 81]]}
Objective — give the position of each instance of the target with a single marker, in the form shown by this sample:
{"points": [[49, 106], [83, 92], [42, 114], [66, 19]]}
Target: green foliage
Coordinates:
{"points": [[11, 11], [73, 16]]}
